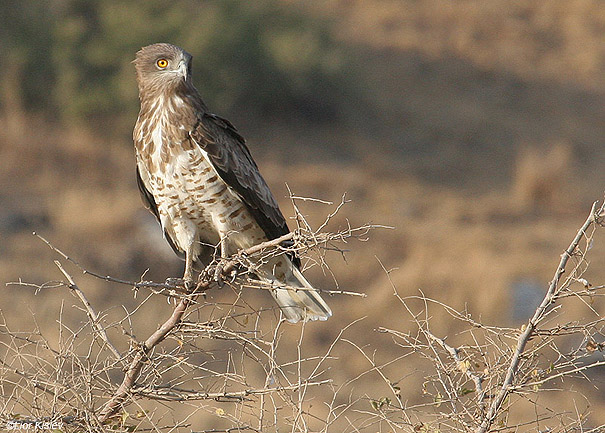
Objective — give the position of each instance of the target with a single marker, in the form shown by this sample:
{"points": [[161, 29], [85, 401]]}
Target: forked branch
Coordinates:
{"points": [[113, 405], [530, 328], [126, 388]]}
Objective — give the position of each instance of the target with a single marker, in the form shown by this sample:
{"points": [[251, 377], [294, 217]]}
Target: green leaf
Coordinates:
{"points": [[378, 404], [465, 391]]}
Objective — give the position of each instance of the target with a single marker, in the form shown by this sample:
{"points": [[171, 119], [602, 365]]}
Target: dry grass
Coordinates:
{"points": [[483, 152], [467, 250], [557, 40]]}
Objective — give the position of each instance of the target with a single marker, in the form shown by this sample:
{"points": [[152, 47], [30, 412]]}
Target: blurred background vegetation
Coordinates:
{"points": [[72, 58], [474, 128]]}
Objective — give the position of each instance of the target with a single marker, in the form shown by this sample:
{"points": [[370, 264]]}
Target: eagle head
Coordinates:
{"points": [[162, 67]]}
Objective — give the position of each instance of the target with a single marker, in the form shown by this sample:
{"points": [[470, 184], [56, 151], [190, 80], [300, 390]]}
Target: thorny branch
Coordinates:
{"points": [[143, 364], [541, 311], [475, 372], [132, 374], [301, 240], [176, 394], [205, 282], [482, 354], [476, 378], [93, 316]]}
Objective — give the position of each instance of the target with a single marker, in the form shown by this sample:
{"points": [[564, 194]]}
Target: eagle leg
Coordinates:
{"points": [[218, 275], [188, 275], [218, 271]]}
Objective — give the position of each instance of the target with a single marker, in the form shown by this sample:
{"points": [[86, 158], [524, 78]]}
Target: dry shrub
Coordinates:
{"points": [[230, 364]]}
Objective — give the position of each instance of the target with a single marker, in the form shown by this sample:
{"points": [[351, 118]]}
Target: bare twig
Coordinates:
{"points": [[92, 315], [477, 379], [175, 394], [113, 405], [191, 371], [527, 333]]}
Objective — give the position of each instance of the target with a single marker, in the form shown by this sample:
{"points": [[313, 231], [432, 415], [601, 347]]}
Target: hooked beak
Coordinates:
{"points": [[183, 69]]}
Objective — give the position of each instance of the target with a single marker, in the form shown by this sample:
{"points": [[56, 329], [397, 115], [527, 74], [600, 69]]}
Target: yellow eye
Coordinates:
{"points": [[162, 63]]}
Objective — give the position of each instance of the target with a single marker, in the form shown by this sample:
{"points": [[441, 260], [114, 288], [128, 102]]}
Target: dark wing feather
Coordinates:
{"points": [[233, 162], [149, 203]]}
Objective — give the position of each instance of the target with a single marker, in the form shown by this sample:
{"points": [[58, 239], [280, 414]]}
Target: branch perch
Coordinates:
{"points": [[113, 405]]}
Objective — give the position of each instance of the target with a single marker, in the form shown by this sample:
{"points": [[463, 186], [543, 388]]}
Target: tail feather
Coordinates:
{"points": [[304, 304]]}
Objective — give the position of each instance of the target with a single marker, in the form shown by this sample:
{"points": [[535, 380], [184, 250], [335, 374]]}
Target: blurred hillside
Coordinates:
{"points": [[474, 128]]}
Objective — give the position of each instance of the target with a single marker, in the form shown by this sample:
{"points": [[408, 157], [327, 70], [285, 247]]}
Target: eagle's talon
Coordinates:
{"points": [[175, 282], [186, 284], [189, 284], [218, 276]]}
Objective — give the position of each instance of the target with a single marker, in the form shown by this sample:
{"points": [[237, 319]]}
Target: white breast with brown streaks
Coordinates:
{"points": [[194, 203]]}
